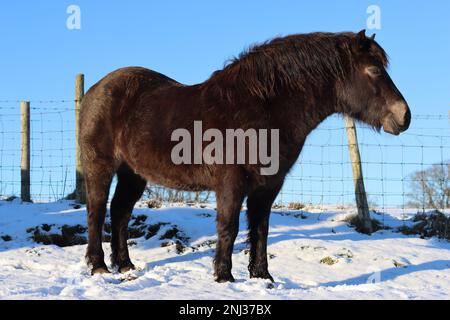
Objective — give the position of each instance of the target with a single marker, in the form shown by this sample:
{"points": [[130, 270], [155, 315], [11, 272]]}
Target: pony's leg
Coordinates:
{"points": [[98, 175], [258, 211], [129, 189], [229, 202]]}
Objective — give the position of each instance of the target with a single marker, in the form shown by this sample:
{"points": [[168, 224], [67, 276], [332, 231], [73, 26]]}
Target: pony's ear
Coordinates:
{"points": [[372, 37], [361, 35], [360, 42]]}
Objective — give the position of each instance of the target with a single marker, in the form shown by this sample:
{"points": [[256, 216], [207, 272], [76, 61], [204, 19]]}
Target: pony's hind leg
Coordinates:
{"points": [[129, 189], [98, 175]]}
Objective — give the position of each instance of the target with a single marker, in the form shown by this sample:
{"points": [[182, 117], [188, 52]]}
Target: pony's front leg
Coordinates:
{"points": [[229, 202], [259, 204]]}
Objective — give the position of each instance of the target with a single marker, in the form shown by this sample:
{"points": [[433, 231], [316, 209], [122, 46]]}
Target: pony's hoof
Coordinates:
{"points": [[262, 275], [224, 278], [127, 268], [100, 270]]}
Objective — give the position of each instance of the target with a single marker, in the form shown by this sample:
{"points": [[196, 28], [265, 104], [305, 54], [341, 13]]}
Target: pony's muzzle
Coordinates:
{"points": [[398, 119]]}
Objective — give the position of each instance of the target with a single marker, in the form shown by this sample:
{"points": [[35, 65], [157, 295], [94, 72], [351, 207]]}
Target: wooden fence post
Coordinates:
{"points": [[360, 192], [25, 151], [80, 191]]}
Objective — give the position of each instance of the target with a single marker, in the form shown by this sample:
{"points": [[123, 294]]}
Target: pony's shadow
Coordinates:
{"points": [[384, 275], [191, 256], [342, 233], [185, 257]]}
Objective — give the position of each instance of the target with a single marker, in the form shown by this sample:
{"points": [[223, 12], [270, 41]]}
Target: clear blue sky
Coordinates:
{"points": [[187, 40]]}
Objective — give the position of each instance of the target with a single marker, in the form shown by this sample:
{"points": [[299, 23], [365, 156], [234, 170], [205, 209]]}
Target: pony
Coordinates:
{"points": [[289, 83]]}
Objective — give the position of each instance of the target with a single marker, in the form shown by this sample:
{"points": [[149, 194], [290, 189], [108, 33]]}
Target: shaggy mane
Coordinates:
{"points": [[294, 62]]}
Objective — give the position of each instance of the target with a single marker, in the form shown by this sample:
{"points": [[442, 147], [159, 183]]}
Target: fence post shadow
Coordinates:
{"points": [[391, 273]]}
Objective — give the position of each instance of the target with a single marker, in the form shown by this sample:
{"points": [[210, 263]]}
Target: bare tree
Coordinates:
{"points": [[430, 188]]}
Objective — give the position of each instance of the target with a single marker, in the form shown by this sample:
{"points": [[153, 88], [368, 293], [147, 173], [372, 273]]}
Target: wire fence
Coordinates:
{"points": [[321, 177], [52, 144], [402, 175]]}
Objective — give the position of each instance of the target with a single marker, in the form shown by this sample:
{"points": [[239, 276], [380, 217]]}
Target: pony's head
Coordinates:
{"points": [[369, 94]]}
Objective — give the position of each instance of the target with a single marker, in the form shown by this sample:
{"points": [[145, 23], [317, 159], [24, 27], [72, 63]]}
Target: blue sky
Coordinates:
{"points": [[188, 40]]}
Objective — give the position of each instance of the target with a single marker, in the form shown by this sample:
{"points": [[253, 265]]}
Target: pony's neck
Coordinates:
{"points": [[300, 113]]}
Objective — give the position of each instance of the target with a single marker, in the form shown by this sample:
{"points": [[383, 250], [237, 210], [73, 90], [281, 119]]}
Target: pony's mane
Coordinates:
{"points": [[294, 62]]}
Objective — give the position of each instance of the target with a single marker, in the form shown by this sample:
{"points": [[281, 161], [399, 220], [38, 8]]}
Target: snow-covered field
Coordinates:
{"points": [[312, 256]]}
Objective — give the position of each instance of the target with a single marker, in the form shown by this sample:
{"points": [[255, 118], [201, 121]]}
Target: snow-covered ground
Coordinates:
{"points": [[312, 256]]}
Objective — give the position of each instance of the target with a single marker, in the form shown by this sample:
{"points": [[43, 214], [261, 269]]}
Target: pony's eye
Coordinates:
{"points": [[374, 71]]}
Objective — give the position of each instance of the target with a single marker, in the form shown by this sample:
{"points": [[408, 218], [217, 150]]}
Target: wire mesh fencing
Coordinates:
{"points": [[402, 173], [52, 144]]}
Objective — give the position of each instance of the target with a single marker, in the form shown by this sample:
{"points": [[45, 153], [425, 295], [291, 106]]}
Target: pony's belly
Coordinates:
{"points": [[176, 179]]}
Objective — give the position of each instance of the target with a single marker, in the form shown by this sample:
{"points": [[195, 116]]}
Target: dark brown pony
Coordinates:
{"points": [[290, 83]]}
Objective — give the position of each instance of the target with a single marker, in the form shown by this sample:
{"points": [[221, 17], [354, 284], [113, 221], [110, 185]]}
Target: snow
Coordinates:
{"points": [[385, 265]]}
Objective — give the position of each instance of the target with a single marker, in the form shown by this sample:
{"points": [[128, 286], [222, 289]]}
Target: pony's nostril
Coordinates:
{"points": [[401, 114], [407, 119]]}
